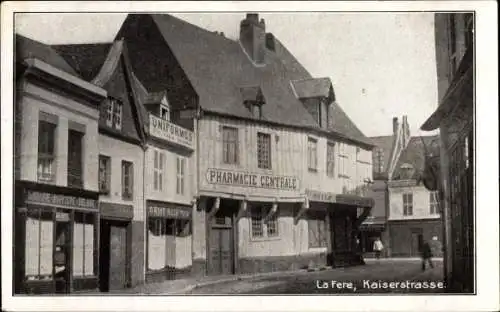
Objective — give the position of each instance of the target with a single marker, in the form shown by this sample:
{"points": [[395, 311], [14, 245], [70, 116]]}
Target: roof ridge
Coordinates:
{"points": [[109, 65]]}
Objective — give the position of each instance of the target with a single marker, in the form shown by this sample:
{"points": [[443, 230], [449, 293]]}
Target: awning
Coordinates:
{"points": [[463, 77]]}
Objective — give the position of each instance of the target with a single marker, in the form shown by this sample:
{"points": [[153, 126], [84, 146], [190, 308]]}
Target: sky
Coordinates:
{"points": [[382, 65]]}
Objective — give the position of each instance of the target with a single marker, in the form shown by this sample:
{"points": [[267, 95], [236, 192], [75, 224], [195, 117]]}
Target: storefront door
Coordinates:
{"points": [[62, 248], [221, 243], [114, 260]]}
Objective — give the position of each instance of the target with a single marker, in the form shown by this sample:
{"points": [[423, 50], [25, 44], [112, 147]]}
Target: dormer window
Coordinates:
{"points": [[113, 114], [406, 171], [164, 112], [257, 110]]}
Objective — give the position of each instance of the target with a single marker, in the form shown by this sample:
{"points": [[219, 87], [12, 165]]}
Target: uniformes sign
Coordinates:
{"points": [[165, 130], [248, 179]]}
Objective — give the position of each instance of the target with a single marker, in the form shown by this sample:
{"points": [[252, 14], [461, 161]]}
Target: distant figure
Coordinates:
{"points": [[377, 247], [427, 253]]}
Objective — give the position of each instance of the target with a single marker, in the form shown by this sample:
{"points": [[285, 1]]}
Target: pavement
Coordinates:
{"points": [[312, 281]]}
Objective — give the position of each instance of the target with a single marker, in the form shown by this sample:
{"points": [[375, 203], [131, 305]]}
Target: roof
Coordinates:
{"points": [[29, 48], [314, 87], [217, 68], [85, 59], [385, 144], [414, 155]]}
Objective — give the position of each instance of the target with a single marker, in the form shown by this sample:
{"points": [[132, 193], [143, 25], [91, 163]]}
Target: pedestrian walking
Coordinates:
{"points": [[377, 247], [427, 253]]}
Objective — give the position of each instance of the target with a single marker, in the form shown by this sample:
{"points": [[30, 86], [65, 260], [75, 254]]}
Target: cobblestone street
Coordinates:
{"points": [[368, 278]]}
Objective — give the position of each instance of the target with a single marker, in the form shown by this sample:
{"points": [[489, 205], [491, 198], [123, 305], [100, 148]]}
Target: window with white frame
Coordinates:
{"points": [[262, 227], [408, 204], [312, 154], [127, 179], [104, 174], [159, 165], [46, 151], [113, 113], [264, 150], [229, 145], [330, 159], [181, 169], [164, 112], [343, 162], [434, 202]]}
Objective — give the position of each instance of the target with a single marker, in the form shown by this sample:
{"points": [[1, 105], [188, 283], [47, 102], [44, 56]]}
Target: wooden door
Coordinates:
{"points": [[221, 251], [118, 259], [416, 243]]}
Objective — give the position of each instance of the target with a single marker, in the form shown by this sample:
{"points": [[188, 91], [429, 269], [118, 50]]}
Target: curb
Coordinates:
{"points": [[237, 278]]}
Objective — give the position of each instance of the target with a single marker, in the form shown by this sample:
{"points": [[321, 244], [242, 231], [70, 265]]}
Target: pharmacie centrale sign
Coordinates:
{"points": [[240, 178], [168, 131]]}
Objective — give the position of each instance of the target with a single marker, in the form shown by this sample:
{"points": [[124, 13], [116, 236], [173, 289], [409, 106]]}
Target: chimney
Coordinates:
{"points": [[406, 130], [395, 126], [253, 37]]}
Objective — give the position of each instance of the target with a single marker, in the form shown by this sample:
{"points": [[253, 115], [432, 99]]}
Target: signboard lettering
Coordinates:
{"points": [[60, 200], [170, 132], [237, 178], [355, 200], [320, 196], [166, 212]]}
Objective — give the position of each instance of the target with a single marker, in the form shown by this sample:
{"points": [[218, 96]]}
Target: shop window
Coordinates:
{"points": [[330, 159], [104, 174], [75, 159], [261, 227], [434, 202], [264, 150], [317, 230], [159, 160], [127, 179], [312, 154], [181, 169], [46, 151], [83, 244], [230, 145], [161, 241], [39, 244], [407, 204]]}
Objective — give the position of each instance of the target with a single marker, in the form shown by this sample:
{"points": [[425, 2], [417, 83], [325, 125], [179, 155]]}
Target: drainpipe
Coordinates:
{"points": [[144, 210]]}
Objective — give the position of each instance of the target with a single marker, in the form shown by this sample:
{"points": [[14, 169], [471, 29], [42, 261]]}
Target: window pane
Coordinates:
{"points": [[32, 245], [78, 245], [39, 244], [257, 226], [89, 245], [75, 163], [264, 150], [46, 244]]}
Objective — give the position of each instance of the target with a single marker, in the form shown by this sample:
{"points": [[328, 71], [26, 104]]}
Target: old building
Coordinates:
{"points": [[151, 215], [56, 160], [452, 173], [280, 169], [405, 213], [121, 163]]}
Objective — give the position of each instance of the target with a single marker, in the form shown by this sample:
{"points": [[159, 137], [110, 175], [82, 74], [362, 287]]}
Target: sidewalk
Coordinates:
{"points": [[400, 259], [182, 286]]}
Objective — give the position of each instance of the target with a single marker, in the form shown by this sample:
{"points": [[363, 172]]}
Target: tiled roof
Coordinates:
{"points": [[217, 67], [414, 155], [314, 87], [27, 48], [86, 59]]}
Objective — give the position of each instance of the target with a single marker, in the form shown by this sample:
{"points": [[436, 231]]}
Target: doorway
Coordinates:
{"points": [[62, 248], [417, 241], [114, 261], [221, 240]]}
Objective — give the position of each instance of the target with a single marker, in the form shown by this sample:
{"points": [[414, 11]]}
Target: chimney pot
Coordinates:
{"points": [[394, 125]]}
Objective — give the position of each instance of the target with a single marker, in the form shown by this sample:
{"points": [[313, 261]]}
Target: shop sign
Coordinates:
{"points": [[354, 200], [319, 196], [165, 130], [168, 212], [60, 200], [239, 178]]}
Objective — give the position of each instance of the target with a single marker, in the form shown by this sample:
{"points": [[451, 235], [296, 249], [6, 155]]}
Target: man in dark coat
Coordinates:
{"points": [[427, 255]]}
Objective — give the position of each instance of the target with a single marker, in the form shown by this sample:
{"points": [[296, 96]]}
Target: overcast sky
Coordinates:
{"points": [[381, 64]]}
